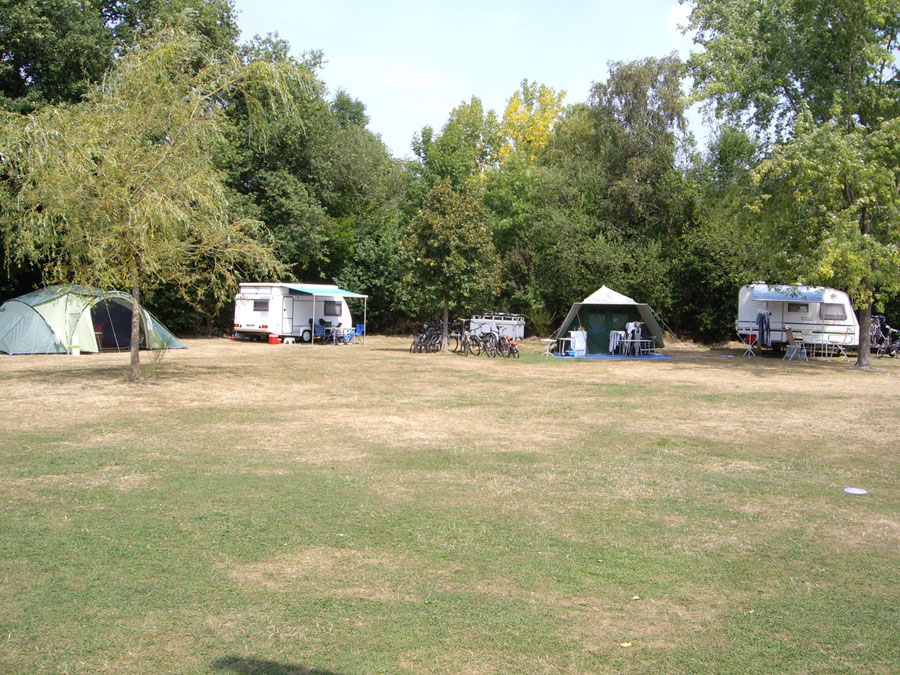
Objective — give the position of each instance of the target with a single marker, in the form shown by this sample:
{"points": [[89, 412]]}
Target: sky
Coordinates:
{"points": [[412, 62]]}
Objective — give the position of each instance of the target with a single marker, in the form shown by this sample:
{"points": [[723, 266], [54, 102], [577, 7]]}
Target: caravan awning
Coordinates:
{"points": [[788, 294], [318, 290]]}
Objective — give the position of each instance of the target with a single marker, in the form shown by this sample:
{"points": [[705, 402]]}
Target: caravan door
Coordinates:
{"points": [[287, 315]]}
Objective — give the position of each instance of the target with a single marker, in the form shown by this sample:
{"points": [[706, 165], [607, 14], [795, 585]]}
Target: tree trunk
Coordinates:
{"points": [[444, 338], [135, 330], [863, 351]]}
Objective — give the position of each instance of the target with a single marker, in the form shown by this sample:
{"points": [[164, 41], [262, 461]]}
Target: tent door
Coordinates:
{"points": [[287, 315]]}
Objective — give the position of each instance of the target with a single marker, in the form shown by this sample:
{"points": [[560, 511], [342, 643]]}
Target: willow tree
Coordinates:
{"points": [[122, 190]]}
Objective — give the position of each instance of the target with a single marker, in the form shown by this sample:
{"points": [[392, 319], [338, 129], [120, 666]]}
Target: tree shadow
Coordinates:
{"points": [[252, 666], [118, 374]]}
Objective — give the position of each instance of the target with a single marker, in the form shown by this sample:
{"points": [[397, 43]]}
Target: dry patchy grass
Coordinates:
{"points": [[323, 495]]}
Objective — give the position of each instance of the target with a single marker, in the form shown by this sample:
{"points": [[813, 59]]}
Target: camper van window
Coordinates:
{"points": [[832, 311], [797, 308], [260, 305], [332, 308]]}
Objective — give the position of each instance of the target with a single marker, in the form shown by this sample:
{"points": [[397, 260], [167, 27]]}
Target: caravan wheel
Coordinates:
{"points": [[305, 336]]}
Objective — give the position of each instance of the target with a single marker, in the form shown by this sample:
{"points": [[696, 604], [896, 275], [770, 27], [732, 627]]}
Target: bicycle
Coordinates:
{"points": [[429, 340], [509, 347], [890, 342], [876, 334], [491, 343]]}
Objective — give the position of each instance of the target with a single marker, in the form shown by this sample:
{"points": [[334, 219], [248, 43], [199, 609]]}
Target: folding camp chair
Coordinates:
{"points": [[794, 347]]}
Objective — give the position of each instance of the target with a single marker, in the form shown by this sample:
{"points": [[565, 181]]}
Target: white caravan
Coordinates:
{"points": [[291, 311], [821, 317]]}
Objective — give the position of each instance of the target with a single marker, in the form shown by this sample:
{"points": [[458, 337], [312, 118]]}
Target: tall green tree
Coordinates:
{"points": [[813, 72], [51, 51], [771, 60], [447, 255], [843, 206], [321, 181], [122, 189], [469, 144]]}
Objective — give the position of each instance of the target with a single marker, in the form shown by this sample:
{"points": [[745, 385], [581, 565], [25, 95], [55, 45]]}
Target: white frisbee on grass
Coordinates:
{"points": [[856, 491]]}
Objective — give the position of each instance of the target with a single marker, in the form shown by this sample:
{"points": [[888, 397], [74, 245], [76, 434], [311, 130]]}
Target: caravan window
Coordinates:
{"points": [[260, 305], [332, 308], [797, 308], [831, 311]]}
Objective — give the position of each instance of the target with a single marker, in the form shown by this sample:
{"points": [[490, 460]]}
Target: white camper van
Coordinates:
{"points": [[821, 317], [291, 311]]}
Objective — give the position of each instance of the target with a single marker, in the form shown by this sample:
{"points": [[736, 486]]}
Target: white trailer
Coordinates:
{"points": [[510, 325], [280, 311], [821, 317]]}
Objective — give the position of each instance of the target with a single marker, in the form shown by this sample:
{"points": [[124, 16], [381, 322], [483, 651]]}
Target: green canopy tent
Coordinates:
{"points": [[55, 319], [605, 311]]}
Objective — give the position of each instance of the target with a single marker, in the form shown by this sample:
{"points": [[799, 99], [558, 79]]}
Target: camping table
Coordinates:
{"points": [[561, 349], [335, 334]]}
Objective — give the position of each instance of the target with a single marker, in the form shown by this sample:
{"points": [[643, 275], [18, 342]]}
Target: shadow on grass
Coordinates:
{"points": [[249, 665], [118, 374], [767, 364]]}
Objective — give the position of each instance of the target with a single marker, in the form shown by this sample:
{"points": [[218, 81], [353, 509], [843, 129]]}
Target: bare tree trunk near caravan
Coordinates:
{"points": [[135, 372], [863, 351]]}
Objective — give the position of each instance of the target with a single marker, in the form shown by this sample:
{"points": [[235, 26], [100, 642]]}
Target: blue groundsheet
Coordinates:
{"points": [[658, 357]]}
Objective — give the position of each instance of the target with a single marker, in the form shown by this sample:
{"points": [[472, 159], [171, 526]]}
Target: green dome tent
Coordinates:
{"points": [[52, 320]]}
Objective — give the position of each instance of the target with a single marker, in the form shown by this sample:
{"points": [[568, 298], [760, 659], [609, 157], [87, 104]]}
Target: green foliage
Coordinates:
{"points": [[468, 144], [51, 51], [770, 59], [320, 180], [843, 207], [348, 110], [447, 255], [606, 204], [824, 77]]}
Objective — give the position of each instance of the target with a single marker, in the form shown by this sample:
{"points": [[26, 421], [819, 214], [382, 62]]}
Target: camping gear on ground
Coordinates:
{"points": [[824, 317], [607, 312], [296, 311], [579, 341], [74, 319]]}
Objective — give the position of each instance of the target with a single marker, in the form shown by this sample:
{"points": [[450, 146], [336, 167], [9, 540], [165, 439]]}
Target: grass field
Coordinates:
{"points": [[336, 510]]}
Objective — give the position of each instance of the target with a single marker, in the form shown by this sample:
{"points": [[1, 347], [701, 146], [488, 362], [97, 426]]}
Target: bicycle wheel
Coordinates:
{"points": [[503, 348], [475, 346], [514, 351], [489, 345], [882, 348]]}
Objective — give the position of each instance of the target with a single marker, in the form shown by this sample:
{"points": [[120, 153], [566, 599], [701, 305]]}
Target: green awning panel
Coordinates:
{"points": [[335, 292]]}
